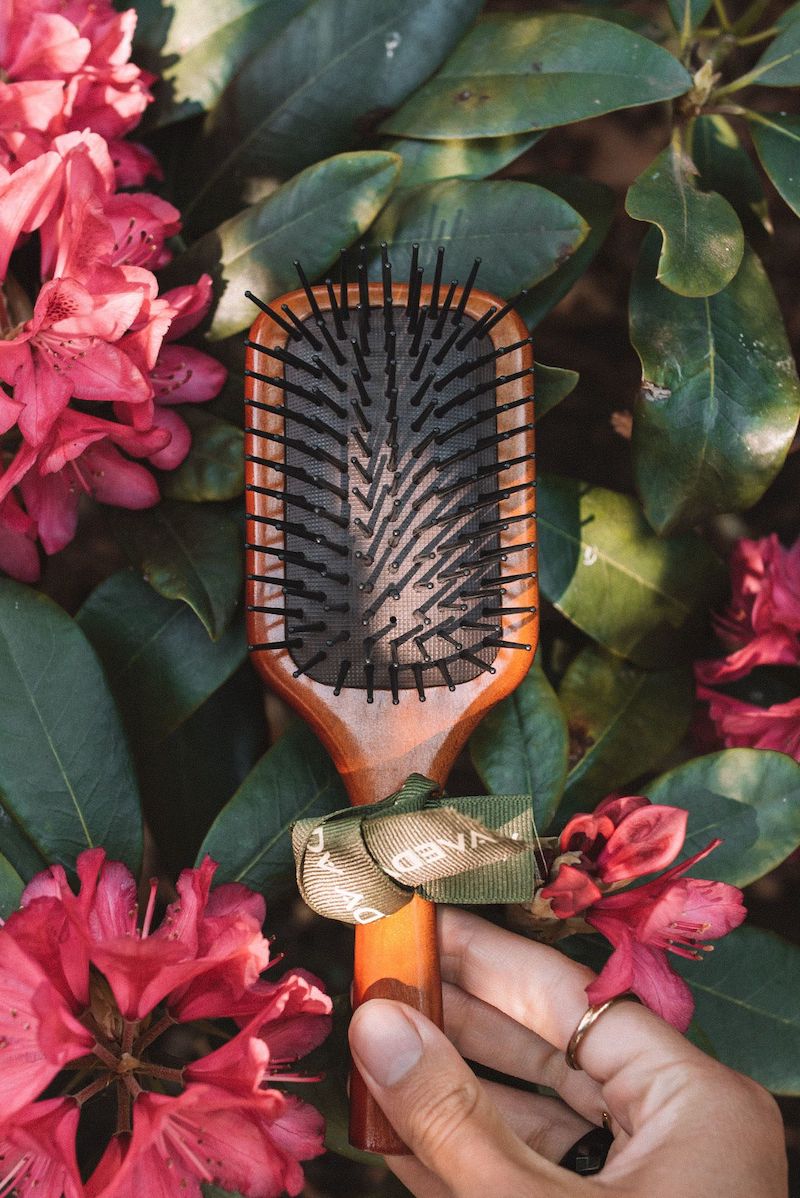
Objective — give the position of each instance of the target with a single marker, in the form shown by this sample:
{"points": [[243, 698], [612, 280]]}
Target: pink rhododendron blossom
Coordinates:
{"points": [[84, 974], [761, 627], [625, 838], [96, 331]]}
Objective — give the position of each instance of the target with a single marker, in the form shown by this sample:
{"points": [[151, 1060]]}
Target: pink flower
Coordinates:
{"points": [[670, 914], [250, 1144], [762, 626], [18, 556], [82, 976], [624, 839], [741, 724], [37, 1151]]}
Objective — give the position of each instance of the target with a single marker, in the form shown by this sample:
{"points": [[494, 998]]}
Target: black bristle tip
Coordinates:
{"points": [[304, 283], [273, 315]]}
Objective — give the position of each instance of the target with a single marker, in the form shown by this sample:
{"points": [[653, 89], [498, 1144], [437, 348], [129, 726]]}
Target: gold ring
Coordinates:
{"points": [[587, 1020]]}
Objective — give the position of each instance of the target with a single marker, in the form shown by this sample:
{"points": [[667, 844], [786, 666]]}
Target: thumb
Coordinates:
{"points": [[437, 1105]]}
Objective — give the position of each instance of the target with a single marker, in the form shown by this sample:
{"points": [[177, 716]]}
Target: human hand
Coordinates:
{"points": [[684, 1125]]}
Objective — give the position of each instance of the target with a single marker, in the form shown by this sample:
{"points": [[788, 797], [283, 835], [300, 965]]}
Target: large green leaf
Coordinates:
{"points": [[788, 17], [187, 552], [725, 166], [687, 14], [477, 158], [746, 995], [520, 747], [481, 219], [595, 203], [514, 72], [720, 396], [11, 886], [622, 721], [251, 836], [158, 658], [553, 384], [196, 47], [777, 141], [779, 65], [214, 466], [318, 87], [750, 798], [644, 597], [66, 776], [703, 241], [187, 778], [325, 207]]}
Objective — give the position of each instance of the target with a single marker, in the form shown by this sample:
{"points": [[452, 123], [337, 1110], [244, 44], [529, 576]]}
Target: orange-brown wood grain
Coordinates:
{"points": [[376, 746]]}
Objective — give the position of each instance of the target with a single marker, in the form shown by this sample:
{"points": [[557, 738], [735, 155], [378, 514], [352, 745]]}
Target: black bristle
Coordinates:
{"points": [[418, 331], [417, 671], [309, 665], [448, 678], [394, 683], [497, 642], [338, 356], [362, 391], [438, 328], [302, 328], [361, 360], [412, 307], [422, 390], [339, 384], [287, 612], [504, 311], [477, 661], [287, 644], [369, 681], [321, 398], [386, 274], [313, 626], [420, 362], [458, 315], [285, 356], [363, 328], [341, 677], [361, 416], [412, 273], [343, 300], [475, 331], [304, 283], [273, 315], [437, 282], [446, 346], [337, 316], [362, 275]]}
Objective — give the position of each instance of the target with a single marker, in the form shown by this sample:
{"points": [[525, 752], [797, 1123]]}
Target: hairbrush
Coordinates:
{"points": [[391, 548]]}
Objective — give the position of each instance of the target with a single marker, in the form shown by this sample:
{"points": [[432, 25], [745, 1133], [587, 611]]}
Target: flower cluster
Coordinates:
{"points": [[86, 993], [625, 839], [761, 627], [98, 332]]}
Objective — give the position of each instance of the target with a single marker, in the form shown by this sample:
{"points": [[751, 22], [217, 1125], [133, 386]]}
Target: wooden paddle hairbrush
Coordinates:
{"points": [[391, 555]]}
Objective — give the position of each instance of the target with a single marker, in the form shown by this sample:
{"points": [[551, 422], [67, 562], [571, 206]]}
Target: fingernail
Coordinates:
{"points": [[385, 1041]]}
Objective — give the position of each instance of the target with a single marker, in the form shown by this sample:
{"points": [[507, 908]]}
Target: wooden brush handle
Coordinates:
{"points": [[396, 957]]}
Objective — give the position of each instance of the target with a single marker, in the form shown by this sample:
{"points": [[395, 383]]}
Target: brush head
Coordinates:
{"points": [[391, 542]]}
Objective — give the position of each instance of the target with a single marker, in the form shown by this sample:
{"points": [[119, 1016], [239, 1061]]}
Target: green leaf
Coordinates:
{"points": [[720, 395], [644, 597], [318, 87], [429, 161], [214, 467], [188, 778], [777, 142], [514, 72], [749, 798], [788, 17], [595, 203], [327, 206], [622, 721], [66, 776], [187, 552], [251, 836], [779, 65], [703, 241], [746, 995], [11, 887], [726, 167], [687, 14], [196, 48], [553, 384], [158, 659], [520, 747], [481, 219]]}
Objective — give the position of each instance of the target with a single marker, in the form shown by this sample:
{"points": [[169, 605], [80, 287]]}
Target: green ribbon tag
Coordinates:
{"points": [[362, 863]]}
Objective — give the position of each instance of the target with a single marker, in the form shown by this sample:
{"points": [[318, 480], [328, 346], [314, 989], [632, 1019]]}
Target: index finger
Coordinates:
{"points": [[545, 991]]}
